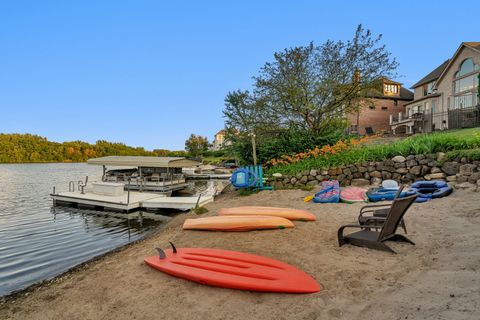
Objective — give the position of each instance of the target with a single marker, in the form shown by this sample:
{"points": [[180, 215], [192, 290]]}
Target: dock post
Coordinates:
{"points": [[198, 200], [128, 192], [53, 189]]}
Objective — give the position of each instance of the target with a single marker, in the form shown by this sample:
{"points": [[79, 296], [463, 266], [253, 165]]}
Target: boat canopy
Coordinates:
{"points": [[149, 162]]}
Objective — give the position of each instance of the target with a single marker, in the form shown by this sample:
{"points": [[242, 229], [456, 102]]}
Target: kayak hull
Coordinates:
{"points": [[235, 270]]}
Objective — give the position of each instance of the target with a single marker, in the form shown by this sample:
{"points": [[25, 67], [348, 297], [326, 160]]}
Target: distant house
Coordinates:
{"points": [[388, 99], [447, 97], [219, 141]]}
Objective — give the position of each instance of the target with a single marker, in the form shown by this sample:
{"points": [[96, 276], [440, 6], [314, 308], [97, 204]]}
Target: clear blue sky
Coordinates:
{"points": [[149, 73]]}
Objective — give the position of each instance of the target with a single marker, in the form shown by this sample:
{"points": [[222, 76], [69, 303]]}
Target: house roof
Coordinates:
{"points": [[151, 162], [472, 45], [404, 93], [432, 76], [432, 95]]}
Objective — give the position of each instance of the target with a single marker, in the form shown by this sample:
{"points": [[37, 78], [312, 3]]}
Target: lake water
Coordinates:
{"points": [[38, 241]]}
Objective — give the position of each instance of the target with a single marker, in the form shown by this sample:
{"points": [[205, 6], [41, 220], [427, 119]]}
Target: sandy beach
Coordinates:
{"points": [[439, 278]]}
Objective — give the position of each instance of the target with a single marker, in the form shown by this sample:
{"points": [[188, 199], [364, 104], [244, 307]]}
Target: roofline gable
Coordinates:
{"points": [[457, 52]]}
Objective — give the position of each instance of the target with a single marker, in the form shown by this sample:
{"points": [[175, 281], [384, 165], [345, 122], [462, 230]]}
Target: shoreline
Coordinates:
{"points": [[437, 278], [76, 268]]}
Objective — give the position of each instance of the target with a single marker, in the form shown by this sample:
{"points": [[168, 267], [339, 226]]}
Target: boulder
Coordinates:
{"points": [[452, 178], [412, 163], [416, 170], [310, 178], [451, 167], [386, 175], [366, 176], [440, 156], [425, 170], [312, 183], [376, 182], [376, 174], [362, 169], [341, 177], [277, 175], [371, 168], [347, 171], [401, 170], [306, 173], [435, 170], [293, 180], [360, 182], [474, 177], [461, 179], [433, 176], [466, 186], [303, 179], [357, 175], [313, 173], [399, 159], [400, 165], [467, 169], [319, 177]]}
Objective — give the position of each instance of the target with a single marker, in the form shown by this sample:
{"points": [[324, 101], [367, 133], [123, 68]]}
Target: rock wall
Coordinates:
{"points": [[460, 171]]}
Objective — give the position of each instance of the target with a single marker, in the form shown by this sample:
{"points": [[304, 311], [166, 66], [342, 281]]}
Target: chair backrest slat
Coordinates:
{"points": [[397, 211]]}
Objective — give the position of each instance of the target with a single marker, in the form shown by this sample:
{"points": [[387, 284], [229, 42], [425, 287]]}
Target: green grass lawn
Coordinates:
{"points": [[464, 142]]}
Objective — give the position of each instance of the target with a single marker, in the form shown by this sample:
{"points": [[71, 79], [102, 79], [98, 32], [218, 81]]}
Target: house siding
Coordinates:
{"points": [[445, 85], [378, 119]]}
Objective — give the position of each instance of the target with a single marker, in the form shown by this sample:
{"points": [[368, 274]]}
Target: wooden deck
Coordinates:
{"points": [[137, 200]]}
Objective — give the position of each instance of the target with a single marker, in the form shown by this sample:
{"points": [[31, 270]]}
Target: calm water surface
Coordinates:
{"points": [[38, 241]]}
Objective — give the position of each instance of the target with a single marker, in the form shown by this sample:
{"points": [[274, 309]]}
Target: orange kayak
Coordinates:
{"points": [[288, 213], [232, 269], [237, 223]]}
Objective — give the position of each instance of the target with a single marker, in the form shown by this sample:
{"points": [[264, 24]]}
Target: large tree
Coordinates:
{"points": [[312, 87], [196, 145]]}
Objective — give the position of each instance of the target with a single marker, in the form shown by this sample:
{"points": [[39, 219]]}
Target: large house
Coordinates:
{"points": [[388, 99], [447, 97], [219, 141]]}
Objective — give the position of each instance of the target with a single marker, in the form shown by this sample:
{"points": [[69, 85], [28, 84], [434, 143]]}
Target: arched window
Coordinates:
{"points": [[464, 79], [467, 66]]}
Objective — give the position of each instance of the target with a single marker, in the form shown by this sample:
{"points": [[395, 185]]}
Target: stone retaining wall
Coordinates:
{"points": [[461, 172]]}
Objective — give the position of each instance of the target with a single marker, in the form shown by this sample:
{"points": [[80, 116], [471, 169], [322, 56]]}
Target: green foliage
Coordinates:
{"points": [[453, 142], [283, 142], [19, 148], [305, 90], [196, 145], [471, 154], [200, 210]]}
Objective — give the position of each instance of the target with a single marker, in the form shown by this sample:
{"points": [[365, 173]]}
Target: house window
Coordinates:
{"points": [[395, 102], [464, 83], [390, 89], [384, 108], [371, 107]]}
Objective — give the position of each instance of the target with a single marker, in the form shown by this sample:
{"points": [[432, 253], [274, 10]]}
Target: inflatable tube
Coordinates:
{"points": [[243, 178], [353, 194], [433, 189], [330, 192], [382, 194]]}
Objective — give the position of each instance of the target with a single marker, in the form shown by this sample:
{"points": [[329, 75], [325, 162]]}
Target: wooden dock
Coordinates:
{"points": [[128, 202]]}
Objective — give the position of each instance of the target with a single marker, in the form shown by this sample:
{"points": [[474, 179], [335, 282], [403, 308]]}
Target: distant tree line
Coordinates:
{"points": [[20, 148]]}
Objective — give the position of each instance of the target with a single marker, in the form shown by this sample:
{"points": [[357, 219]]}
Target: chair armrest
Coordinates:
{"points": [[340, 230], [375, 206]]}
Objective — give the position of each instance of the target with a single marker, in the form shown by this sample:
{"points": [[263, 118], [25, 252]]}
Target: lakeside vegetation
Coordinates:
{"points": [[299, 99], [457, 143], [24, 148]]}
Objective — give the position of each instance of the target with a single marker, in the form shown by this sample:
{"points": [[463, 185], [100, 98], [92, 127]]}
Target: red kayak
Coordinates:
{"points": [[232, 269]]}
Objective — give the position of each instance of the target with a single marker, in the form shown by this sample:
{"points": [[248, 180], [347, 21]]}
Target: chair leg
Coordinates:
{"points": [[401, 238], [404, 227]]}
